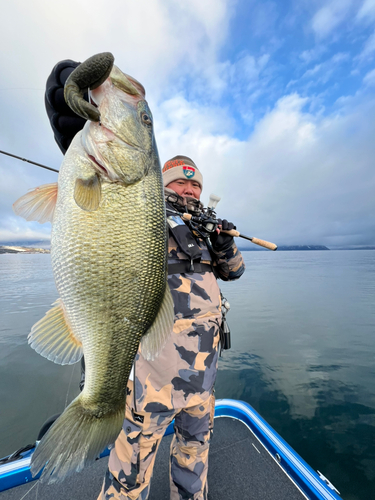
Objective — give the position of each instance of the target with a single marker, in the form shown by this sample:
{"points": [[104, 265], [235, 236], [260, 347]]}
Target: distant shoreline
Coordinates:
{"points": [[291, 248], [28, 250], [301, 247], [284, 248]]}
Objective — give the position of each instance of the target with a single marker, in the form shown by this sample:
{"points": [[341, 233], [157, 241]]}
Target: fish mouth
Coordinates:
{"points": [[102, 169]]}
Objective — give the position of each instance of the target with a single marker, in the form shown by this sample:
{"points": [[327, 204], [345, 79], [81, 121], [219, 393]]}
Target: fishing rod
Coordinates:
{"points": [[207, 222], [213, 201], [256, 241], [206, 219], [29, 161]]}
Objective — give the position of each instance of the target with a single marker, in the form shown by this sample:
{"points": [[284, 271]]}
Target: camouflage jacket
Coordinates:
{"points": [[184, 373]]}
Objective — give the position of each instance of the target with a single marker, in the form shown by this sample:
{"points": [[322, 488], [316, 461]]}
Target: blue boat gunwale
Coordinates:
{"points": [[303, 476]]}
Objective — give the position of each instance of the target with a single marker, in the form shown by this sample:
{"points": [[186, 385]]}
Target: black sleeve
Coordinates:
{"points": [[64, 122]]}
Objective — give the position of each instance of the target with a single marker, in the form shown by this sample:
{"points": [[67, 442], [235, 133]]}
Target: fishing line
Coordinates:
{"points": [[33, 486], [20, 88], [29, 161]]}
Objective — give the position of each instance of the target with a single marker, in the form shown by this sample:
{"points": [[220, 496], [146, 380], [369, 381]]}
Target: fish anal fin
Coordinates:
{"points": [[52, 337], [156, 337], [88, 192], [38, 204]]}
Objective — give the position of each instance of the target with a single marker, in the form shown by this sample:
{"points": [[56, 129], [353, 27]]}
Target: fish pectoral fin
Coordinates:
{"points": [[52, 337], [88, 193], [156, 337], [38, 204]]}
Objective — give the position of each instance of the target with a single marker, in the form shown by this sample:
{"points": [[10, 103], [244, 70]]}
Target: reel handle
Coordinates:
{"points": [[231, 232]]}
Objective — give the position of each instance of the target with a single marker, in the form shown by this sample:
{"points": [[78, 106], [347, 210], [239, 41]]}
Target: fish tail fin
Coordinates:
{"points": [[76, 439]]}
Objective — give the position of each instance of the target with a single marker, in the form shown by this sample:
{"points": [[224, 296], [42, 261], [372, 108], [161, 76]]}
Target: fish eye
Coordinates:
{"points": [[146, 119]]}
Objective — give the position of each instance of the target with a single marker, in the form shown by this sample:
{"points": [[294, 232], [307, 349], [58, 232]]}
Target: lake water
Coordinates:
{"points": [[303, 355]]}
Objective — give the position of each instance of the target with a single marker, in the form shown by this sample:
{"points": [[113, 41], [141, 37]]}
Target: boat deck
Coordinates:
{"points": [[240, 468]]}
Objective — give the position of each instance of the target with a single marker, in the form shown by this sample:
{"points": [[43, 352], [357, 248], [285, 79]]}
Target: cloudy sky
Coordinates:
{"points": [[274, 101]]}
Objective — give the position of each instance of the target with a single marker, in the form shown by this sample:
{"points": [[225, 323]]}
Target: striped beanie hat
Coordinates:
{"points": [[181, 167]]}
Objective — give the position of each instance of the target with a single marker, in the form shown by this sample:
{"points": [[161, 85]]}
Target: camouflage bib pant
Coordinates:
{"points": [[132, 460], [178, 385]]}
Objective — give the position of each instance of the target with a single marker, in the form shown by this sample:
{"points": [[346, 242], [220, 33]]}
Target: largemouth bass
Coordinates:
{"points": [[108, 251]]}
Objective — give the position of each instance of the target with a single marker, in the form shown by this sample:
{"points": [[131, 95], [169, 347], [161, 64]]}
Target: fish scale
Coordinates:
{"points": [[110, 248], [109, 259]]}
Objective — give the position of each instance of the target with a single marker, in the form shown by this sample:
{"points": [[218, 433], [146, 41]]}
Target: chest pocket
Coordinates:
{"points": [[184, 238]]}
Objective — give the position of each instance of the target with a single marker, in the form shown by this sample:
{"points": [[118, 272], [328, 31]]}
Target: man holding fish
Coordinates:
{"points": [[172, 375], [179, 383]]}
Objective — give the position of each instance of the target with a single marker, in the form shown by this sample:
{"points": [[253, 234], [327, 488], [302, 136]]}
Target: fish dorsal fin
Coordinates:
{"points": [[38, 204], [88, 193], [52, 337], [155, 338]]}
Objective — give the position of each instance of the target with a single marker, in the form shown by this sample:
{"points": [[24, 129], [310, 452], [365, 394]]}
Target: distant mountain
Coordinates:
{"points": [[19, 249], [302, 247], [364, 247], [24, 243], [284, 248], [254, 248]]}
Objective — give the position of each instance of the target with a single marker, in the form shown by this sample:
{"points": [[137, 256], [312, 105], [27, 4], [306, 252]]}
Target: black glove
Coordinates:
{"points": [[65, 123], [221, 242]]}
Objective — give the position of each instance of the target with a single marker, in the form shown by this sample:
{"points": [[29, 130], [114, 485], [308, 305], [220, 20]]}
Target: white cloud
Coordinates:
{"points": [[158, 42], [367, 11], [368, 49], [322, 72], [150, 39], [22, 233], [247, 69], [313, 71], [243, 78], [330, 16], [299, 178], [316, 52], [369, 78]]}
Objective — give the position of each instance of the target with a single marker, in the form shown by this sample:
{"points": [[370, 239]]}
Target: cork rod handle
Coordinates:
{"points": [[257, 241], [265, 244]]}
